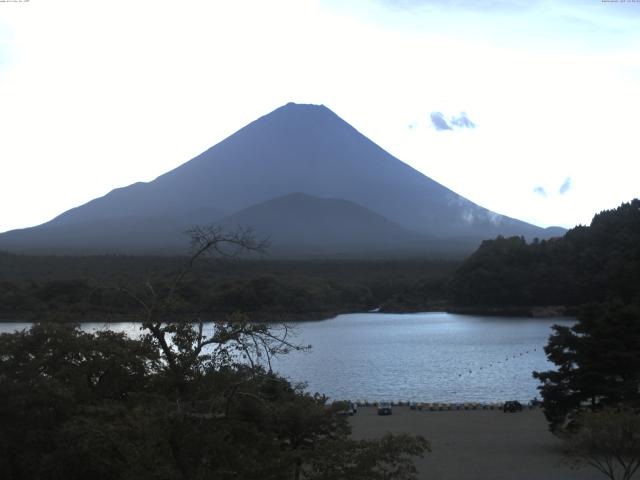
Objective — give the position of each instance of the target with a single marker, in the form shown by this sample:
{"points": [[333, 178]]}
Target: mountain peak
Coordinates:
{"points": [[297, 111], [303, 148], [304, 106]]}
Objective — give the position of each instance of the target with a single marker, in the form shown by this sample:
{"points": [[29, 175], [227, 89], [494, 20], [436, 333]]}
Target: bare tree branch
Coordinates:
{"points": [[182, 344], [608, 440]]}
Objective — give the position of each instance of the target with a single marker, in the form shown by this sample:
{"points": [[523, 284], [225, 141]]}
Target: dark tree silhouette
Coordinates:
{"points": [[588, 264], [598, 364], [181, 402]]}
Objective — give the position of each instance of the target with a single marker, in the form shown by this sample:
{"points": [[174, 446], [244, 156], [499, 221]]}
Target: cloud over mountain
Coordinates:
{"points": [[565, 187], [539, 190], [462, 121], [441, 122]]}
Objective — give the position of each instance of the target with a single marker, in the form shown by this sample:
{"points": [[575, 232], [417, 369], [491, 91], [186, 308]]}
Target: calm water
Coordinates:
{"points": [[431, 357]]}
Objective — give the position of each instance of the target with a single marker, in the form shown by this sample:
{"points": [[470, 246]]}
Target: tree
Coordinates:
{"points": [[54, 375], [181, 402], [387, 458], [598, 362], [608, 440], [600, 262]]}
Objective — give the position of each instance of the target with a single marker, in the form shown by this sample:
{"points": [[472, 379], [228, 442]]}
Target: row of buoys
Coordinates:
{"points": [[508, 358], [438, 406]]}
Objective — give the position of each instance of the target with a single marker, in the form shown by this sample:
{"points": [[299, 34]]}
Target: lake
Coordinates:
{"points": [[429, 357]]}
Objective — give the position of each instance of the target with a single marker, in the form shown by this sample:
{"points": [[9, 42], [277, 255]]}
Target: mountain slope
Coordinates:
{"points": [[296, 148], [301, 223], [126, 234]]}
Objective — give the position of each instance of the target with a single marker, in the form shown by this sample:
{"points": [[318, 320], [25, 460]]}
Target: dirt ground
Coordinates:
{"points": [[477, 444]]}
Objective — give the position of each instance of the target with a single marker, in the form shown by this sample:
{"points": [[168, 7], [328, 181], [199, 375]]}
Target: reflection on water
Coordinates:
{"points": [[432, 357]]}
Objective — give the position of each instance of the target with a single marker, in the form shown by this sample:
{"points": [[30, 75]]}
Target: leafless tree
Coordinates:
{"points": [[607, 440], [187, 347]]}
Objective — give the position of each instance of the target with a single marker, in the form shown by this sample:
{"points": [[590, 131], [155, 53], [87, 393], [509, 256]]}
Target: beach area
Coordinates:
{"points": [[477, 444]]}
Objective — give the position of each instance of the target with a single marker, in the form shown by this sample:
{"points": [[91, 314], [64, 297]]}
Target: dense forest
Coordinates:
{"points": [[92, 287], [588, 264]]}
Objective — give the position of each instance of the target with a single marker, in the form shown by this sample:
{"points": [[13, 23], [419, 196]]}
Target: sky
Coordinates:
{"points": [[528, 108]]}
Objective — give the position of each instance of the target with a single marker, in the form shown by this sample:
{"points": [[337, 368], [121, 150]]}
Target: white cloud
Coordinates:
{"points": [[565, 187], [540, 190]]}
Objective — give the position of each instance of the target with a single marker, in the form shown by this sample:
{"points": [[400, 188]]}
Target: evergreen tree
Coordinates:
{"points": [[598, 363]]}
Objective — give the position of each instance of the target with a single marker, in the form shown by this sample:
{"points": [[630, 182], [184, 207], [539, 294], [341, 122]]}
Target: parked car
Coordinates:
{"points": [[346, 408], [384, 408], [512, 406]]}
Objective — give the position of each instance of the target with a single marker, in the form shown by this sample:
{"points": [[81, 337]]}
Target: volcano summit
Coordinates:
{"points": [[303, 177]]}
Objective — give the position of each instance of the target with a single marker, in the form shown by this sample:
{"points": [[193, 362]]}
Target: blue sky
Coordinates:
{"points": [[528, 108]]}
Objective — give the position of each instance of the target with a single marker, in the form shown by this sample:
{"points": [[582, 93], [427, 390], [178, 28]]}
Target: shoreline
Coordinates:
{"points": [[185, 317], [550, 311], [532, 311]]}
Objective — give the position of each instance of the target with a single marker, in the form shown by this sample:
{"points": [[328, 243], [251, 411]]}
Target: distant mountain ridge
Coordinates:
{"points": [[300, 222], [303, 149]]}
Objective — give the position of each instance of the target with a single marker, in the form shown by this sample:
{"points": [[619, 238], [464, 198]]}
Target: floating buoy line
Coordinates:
{"points": [[500, 362]]}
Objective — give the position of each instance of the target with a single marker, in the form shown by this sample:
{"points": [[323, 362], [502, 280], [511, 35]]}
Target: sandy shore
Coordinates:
{"points": [[477, 445]]}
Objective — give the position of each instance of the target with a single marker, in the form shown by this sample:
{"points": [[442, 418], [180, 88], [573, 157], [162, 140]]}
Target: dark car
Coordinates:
{"points": [[384, 408], [512, 406]]}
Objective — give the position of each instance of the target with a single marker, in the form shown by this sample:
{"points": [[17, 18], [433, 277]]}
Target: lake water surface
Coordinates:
{"points": [[430, 357]]}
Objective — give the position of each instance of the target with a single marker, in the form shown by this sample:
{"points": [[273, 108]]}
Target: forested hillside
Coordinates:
{"points": [[91, 287], [588, 264]]}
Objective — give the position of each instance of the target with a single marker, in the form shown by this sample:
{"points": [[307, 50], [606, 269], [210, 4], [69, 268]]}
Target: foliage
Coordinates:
{"points": [[50, 377], [607, 440], [77, 288], [598, 362], [180, 402], [588, 264], [78, 405], [387, 458]]}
